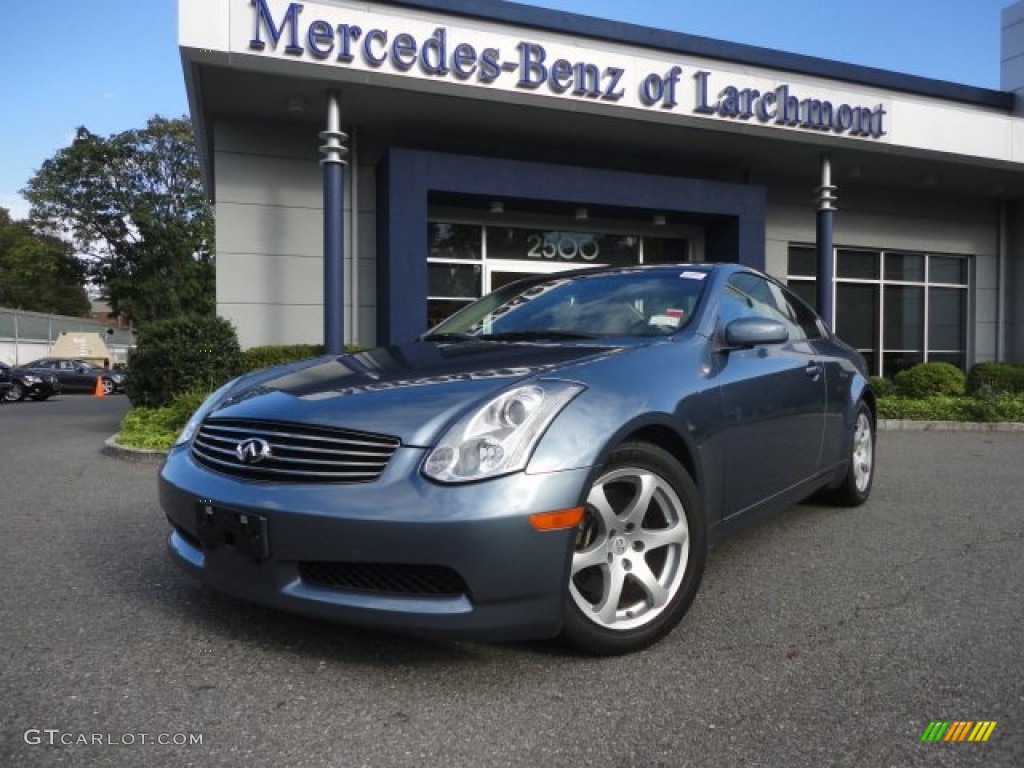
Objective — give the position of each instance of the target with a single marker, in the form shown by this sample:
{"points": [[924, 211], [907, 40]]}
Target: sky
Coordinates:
{"points": [[109, 65]]}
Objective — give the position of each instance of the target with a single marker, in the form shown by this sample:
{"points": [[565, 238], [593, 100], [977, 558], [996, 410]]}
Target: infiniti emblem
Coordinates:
{"points": [[253, 451]]}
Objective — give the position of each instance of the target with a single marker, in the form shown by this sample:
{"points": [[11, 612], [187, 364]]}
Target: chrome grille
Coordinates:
{"points": [[299, 453]]}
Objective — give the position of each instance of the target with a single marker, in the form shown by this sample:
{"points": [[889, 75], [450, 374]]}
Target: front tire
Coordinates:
{"points": [[15, 393], [108, 386], [639, 555]]}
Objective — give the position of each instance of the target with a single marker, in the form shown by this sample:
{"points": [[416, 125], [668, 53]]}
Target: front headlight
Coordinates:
{"points": [[33, 380], [197, 418], [499, 437]]}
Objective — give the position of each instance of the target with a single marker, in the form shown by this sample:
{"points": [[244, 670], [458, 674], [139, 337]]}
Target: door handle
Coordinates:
{"points": [[814, 369]]}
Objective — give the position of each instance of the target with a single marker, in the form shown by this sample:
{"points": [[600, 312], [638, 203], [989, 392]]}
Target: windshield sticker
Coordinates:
{"points": [[669, 319], [694, 275]]}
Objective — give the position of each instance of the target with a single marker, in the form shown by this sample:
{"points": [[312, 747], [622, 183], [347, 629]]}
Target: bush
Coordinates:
{"points": [[935, 408], [157, 428], [996, 378], [190, 353], [1003, 407], [883, 387], [929, 379], [948, 408], [255, 358]]}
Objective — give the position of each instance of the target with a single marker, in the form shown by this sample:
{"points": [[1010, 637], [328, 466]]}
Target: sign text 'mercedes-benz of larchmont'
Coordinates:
{"points": [[360, 40]]}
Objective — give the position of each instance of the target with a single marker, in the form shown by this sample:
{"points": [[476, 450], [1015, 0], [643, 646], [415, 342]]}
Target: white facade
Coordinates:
{"points": [[922, 168]]}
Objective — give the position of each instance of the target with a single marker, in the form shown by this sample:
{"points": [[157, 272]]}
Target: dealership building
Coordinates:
{"points": [[377, 165]]}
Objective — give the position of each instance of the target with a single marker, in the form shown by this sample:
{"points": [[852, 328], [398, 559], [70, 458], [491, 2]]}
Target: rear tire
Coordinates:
{"points": [[639, 554], [860, 475]]}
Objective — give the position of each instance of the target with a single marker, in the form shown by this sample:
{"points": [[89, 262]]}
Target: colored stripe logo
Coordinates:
{"points": [[958, 730]]}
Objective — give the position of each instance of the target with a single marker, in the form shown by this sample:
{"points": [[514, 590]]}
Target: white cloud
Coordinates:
{"points": [[16, 204]]}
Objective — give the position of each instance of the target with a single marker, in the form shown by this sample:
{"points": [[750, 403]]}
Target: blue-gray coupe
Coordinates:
{"points": [[554, 459]]}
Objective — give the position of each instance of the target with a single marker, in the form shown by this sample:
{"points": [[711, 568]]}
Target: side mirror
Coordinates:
{"points": [[755, 332]]}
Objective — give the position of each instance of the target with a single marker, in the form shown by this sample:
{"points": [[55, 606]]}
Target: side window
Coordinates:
{"points": [[735, 304], [798, 313], [764, 298]]}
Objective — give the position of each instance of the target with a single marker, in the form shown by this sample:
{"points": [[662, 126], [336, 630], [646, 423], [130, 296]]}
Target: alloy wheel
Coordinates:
{"points": [[863, 452], [632, 549]]}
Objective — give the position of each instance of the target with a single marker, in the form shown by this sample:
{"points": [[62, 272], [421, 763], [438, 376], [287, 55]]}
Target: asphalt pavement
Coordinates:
{"points": [[820, 637]]}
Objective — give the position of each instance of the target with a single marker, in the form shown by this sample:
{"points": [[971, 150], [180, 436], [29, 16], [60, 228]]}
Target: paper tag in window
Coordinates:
{"points": [[673, 321], [694, 275]]}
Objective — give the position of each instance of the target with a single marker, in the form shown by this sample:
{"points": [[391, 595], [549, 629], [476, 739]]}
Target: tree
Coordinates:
{"points": [[133, 208], [38, 273]]}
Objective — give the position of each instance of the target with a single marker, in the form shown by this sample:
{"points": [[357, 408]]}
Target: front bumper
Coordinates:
{"points": [[512, 578], [46, 388]]}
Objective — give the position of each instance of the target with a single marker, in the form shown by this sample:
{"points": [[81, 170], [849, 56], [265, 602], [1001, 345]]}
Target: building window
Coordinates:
{"points": [[898, 308], [467, 261]]}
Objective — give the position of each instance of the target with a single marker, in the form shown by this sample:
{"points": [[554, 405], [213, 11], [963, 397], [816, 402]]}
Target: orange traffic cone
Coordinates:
{"points": [[99, 388]]}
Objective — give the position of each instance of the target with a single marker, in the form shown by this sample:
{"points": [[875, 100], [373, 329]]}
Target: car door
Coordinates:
{"points": [[70, 378], [773, 400]]}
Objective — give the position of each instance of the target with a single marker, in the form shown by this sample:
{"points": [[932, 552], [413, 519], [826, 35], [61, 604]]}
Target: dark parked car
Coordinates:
{"points": [[554, 459], [78, 375], [23, 383]]}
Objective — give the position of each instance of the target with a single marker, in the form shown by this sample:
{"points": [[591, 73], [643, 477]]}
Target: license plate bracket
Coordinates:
{"points": [[246, 533]]}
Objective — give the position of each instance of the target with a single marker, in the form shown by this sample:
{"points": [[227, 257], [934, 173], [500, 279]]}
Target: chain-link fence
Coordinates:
{"points": [[25, 336]]}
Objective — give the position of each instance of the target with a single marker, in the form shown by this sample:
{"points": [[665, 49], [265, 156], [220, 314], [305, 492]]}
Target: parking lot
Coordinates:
{"points": [[819, 637]]}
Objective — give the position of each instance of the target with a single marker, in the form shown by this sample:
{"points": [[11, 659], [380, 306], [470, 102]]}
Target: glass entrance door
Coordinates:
{"points": [[467, 260]]}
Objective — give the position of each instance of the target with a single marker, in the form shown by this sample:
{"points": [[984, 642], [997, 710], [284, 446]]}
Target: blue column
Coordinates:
{"points": [[826, 263], [333, 164]]}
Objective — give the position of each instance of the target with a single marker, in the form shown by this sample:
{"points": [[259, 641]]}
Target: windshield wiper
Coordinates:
{"points": [[539, 335]]}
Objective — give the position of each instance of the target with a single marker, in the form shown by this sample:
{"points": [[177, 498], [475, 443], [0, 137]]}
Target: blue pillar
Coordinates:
{"points": [[826, 263], [333, 164]]}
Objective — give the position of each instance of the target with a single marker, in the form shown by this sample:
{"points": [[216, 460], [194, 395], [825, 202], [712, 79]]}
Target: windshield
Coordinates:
{"points": [[604, 304]]}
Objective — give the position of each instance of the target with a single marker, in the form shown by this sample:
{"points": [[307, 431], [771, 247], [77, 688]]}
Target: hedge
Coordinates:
{"points": [[996, 378], [947, 408], [181, 354], [255, 358], [929, 379]]}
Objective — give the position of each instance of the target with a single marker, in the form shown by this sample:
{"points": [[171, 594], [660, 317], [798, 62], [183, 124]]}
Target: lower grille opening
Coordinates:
{"points": [[385, 578]]}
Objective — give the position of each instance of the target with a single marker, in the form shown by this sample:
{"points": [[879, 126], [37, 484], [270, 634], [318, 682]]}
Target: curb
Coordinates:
{"points": [[126, 453], [905, 425]]}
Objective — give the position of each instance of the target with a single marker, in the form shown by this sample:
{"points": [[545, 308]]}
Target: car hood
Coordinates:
{"points": [[412, 392]]}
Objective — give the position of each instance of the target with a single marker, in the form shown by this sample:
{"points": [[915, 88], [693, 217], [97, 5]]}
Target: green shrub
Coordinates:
{"points": [[949, 408], [883, 387], [996, 378], [157, 428], [935, 408], [255, 358], [928, 379], [1002, 407], [182, 354]]}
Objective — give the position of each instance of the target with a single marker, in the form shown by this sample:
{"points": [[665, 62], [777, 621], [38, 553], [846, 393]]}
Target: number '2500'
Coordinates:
{"points": [[567, 248]]}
